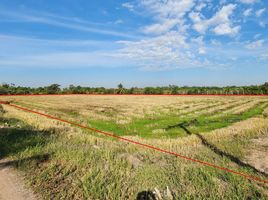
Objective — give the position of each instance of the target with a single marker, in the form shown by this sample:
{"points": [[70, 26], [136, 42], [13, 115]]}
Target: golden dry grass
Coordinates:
{"points": [[128, 107], [101, 168]]}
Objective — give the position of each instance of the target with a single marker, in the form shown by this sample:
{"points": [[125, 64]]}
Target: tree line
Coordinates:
{"points": [[171, 89]]}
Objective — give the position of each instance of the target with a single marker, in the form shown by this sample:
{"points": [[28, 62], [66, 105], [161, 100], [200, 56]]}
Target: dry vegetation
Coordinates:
{"points": [[120, 106], [70, 163]]}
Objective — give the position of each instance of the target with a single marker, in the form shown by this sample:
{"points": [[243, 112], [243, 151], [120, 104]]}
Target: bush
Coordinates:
{"points": [[1, 109]]}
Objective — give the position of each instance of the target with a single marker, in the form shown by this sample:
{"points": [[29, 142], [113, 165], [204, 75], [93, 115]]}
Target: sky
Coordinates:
{"points": [[136, 42]]}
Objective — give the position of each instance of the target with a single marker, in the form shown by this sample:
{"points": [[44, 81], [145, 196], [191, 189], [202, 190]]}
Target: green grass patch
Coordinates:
{"points": [[158, 126]]}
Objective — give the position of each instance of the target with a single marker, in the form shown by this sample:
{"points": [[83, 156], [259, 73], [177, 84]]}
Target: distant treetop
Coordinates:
{"points": [[171, 89]]}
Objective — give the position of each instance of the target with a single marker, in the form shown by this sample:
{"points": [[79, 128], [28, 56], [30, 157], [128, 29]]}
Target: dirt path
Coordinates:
{"points": [[258, 156], [12, 185]]}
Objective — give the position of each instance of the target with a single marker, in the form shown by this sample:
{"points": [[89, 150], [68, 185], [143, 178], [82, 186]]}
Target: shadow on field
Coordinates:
{"points": [[214, 148], [146, 195], [14, 140], [15, 163]]}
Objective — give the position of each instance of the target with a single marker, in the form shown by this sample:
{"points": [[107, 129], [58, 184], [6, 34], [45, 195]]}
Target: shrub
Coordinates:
{"points": [[1, 109]]}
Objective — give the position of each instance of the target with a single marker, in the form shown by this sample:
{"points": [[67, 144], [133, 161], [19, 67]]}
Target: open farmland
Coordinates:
{"points": [[71, 163]]}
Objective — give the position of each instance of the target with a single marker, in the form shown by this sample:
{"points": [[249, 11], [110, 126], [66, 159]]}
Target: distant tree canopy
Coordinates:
{"points": [[121, 89], [53, 89], [171, 89]]}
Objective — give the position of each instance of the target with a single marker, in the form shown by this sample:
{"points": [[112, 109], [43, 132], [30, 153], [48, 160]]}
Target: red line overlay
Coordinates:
{"points": [[254, 178], [251, 95]]}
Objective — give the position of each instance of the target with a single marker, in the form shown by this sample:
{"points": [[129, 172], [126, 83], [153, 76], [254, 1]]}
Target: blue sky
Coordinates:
{"points": [[135, 42]]}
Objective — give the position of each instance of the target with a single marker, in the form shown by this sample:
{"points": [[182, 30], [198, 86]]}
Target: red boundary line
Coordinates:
{"points": [[10, 95], [253, 95], [140, 144]]}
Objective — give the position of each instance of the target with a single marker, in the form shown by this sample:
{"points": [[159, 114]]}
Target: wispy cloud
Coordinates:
{"points": [[260, 12], [19, 46], [65, 22], [247, 12], [249, 1], [53, 42], [65, 60], [168, 15], [18, 51], [171, 51], [221, 22], [255, 44], [129, 6]]}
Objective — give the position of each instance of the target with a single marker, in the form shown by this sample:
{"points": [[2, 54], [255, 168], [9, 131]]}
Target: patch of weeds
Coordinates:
{"points": [[71, 112], [2, 111]]}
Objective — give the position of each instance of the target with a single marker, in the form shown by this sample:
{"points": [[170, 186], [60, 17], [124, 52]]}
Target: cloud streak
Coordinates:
{"points": [[65, 60], [64, 22]]}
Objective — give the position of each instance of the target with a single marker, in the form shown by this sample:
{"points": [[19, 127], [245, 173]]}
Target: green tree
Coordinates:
{"points": [[173, 89], [120, 89], [4, 89], [53, 89]]}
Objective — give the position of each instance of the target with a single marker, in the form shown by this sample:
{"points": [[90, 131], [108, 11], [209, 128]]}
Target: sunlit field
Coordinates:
{"points": [[71, 163]]}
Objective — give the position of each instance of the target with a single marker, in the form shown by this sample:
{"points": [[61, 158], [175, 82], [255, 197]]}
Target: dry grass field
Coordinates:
{"points": [[64, 162]]}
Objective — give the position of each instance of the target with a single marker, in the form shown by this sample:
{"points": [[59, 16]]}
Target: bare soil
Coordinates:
{"points": [[12, 184], [258, 156]]}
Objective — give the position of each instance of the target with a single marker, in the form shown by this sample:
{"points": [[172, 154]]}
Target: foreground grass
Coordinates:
{"points": [[62, 162]]}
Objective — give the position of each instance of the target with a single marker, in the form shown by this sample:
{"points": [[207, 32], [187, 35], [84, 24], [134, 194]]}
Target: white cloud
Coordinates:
{"points": [[202, 50], [260, 12], [195, 17], [164, 52], [153, 46], [129, 6], [226, 29], [167, 14], [169, 51], [264, 56], [249, 1], [64, 60], [21, 51], [38, 44], [160, 28], [200, 6], [220, 21], [169, 8], [262, 24], [247, 12], [66, 22], [255, 45], [171, 44], [198, 40], [119, 21], [215, 42], [201, 44], [21, 41]]}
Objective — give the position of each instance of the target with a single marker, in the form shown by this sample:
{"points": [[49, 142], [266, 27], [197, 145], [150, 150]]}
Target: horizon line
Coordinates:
{"points": [[68, 94]]}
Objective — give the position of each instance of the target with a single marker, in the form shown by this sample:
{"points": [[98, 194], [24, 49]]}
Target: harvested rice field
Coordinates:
{"points": [[72, 163]]}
